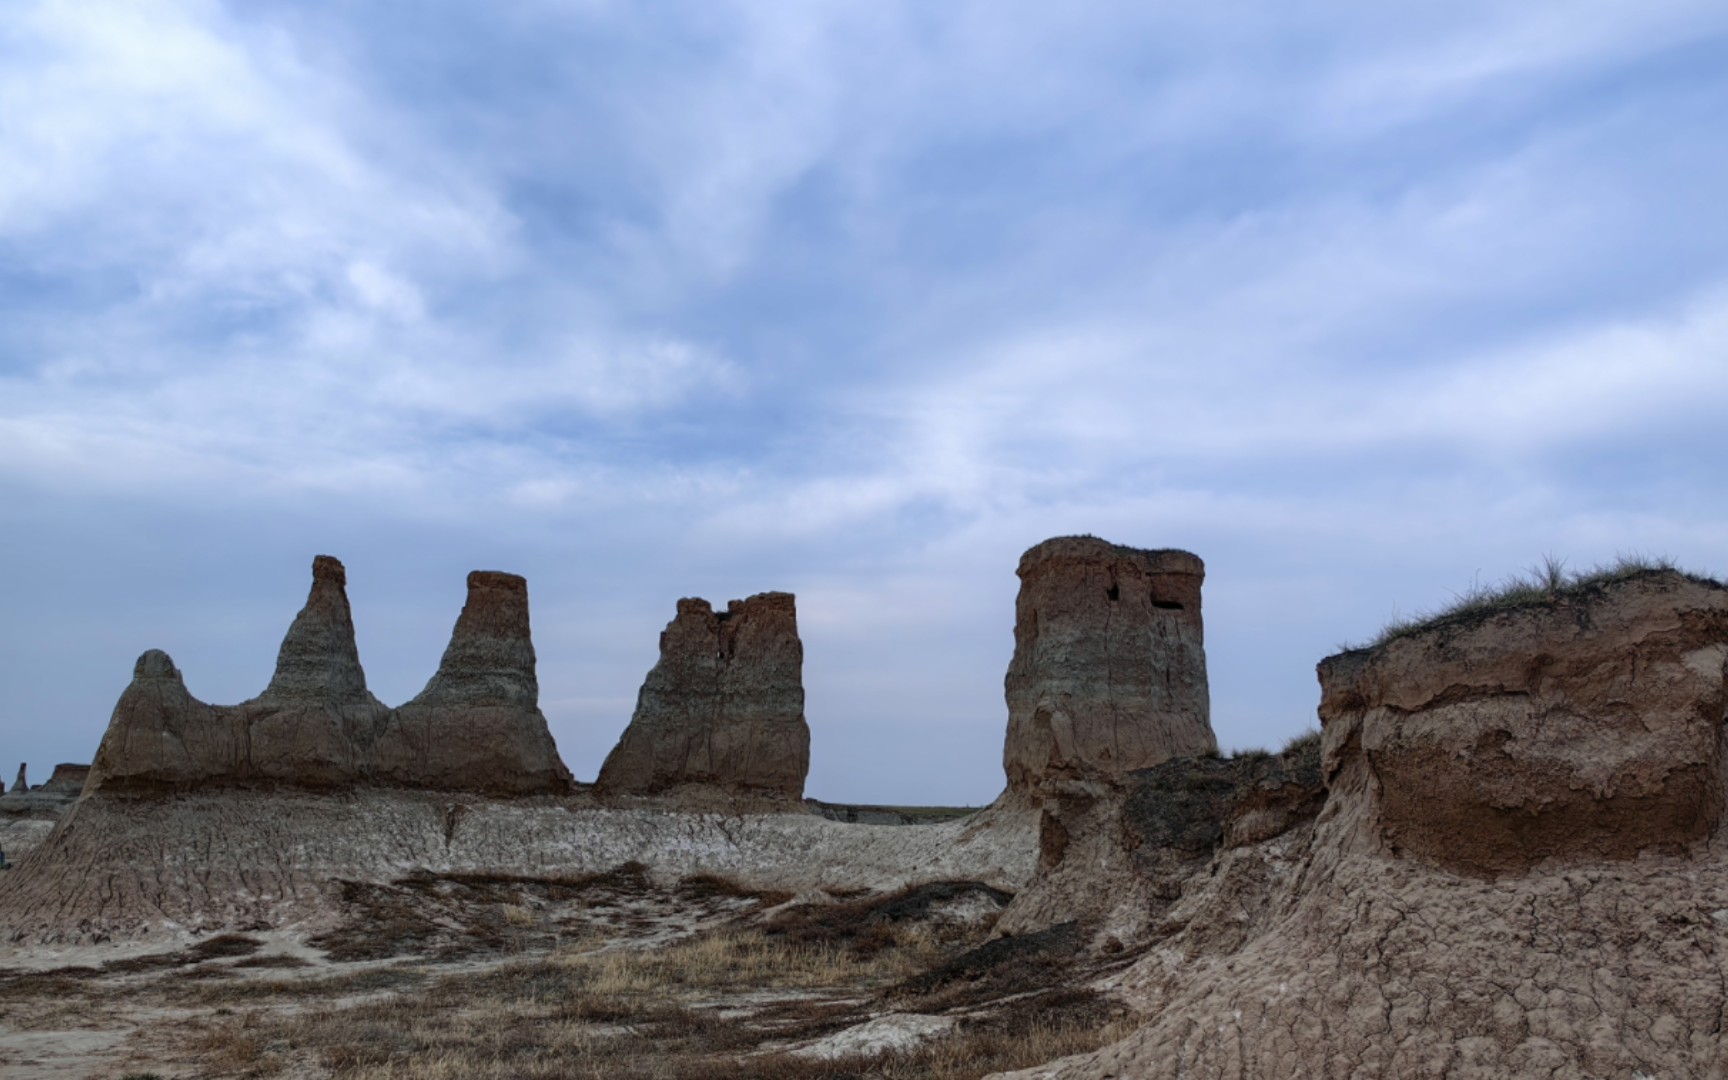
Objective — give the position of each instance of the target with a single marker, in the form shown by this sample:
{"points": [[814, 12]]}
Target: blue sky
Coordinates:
{"points": [[1362, 304]]}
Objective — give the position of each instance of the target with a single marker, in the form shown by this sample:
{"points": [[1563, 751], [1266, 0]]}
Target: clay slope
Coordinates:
{"points": [[1517, 871], [124, 866]]}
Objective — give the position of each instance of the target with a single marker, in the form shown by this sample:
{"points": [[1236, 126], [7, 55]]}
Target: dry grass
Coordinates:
{"points": [[1548, 582], [735, 1000]]}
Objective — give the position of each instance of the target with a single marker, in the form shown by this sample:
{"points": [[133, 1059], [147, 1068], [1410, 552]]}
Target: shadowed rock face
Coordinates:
{"points": [[477, 725], [1109, 668], [722, 712], [1584, 729], [23, 781]]}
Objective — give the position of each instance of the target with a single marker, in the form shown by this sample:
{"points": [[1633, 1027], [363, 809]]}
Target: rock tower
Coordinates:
{"points": [[312, 725], [477, 725], [722, 712], [1109, 667]]}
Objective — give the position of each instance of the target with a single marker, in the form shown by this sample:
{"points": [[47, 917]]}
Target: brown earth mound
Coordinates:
{"points": [[1109, 667], [721, 715]]}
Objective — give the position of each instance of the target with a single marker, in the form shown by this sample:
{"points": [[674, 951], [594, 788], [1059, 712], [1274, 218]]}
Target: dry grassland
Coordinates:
{"points": [[604, 977]]}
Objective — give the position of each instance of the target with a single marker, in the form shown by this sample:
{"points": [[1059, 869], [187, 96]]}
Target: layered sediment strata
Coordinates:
{"points": [[722, 712], [313, 724], [477, 725], [1109, 667], [1586, 728], [162, 736], [67, 779]]}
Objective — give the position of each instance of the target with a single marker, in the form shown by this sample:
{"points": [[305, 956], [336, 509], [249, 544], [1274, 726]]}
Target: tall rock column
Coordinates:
{"points": [[1109, 668], [313, 723], [23, 781], [722, 713], [477, 725]]}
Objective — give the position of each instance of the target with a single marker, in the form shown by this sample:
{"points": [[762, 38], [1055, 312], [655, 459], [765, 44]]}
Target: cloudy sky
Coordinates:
{"points": [[1361, 302]]}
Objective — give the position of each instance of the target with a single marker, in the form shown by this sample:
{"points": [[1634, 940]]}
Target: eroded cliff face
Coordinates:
{"points": [[721, 715], [476, 727], [1109, 667], [1518, 868], [1589, 728]]}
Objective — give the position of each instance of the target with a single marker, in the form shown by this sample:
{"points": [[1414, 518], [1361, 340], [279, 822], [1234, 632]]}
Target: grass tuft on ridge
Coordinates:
{"points": [[1548, 582]]}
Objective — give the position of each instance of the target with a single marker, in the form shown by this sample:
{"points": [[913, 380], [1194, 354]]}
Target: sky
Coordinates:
{"points": [[1365, 304]]}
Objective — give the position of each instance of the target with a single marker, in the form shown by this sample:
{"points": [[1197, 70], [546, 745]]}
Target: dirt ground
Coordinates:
{"points": [[605, 975]]}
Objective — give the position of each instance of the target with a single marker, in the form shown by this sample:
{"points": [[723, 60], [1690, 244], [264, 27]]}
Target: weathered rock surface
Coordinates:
{"points": [[313, 725], [67, 779], [162, 736], [1588, 728], [22, 783], [722, 712], [1116, 854], [477, 725], [1519, 868], [1109, 667]]}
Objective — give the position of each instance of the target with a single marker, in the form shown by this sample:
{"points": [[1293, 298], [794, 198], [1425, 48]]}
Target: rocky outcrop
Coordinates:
{"points": [[1518, 869], [162, 736], [722, 712], [1115, 855], [1109, 667], [477, 725], [1586, 728], [23, 782], [67, 779], [313, 724]]}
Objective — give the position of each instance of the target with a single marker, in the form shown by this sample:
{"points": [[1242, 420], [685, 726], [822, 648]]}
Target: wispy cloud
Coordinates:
{"points": [[859, 298]]}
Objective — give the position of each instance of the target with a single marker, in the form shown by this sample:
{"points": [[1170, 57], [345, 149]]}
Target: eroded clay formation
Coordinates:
{"points": [[477, 726], [1586, 728], [1109, 667], [722, 712]]}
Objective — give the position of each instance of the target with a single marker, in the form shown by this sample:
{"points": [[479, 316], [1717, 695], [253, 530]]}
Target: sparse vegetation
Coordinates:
{"points": [[733, 990], [1547, 582], [1302, 743]]}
